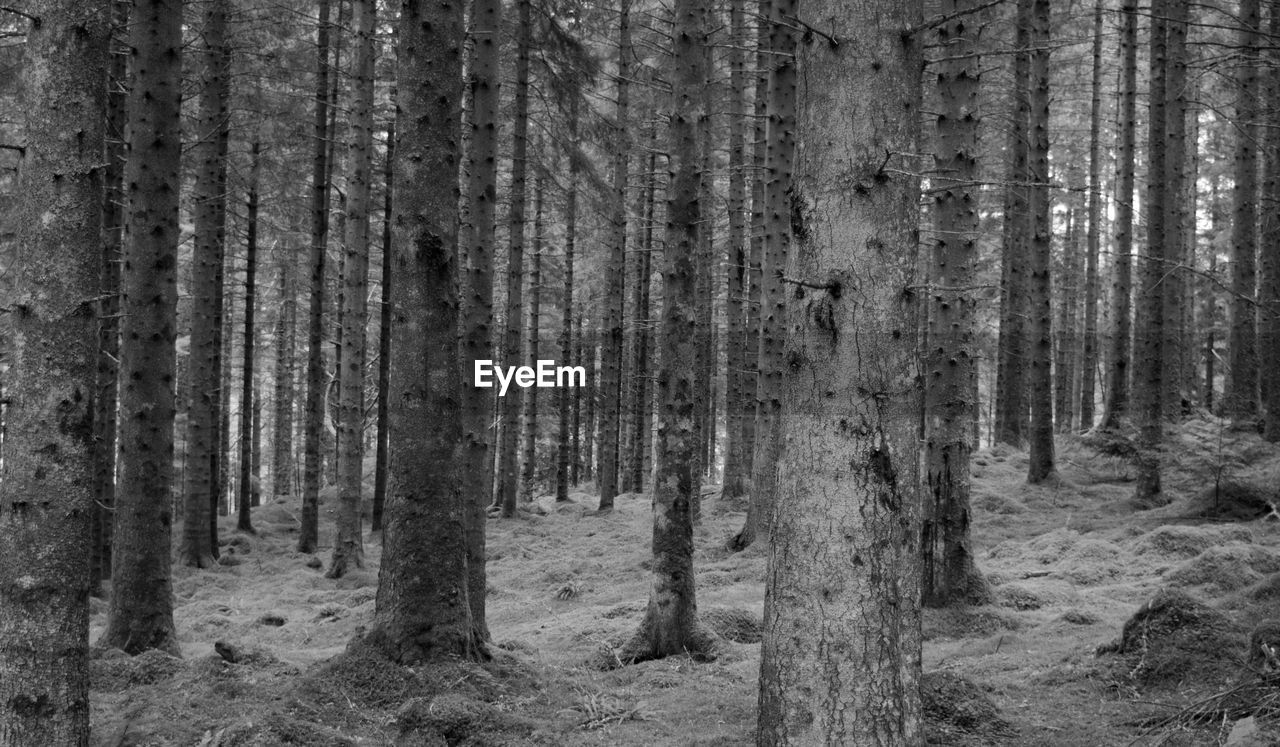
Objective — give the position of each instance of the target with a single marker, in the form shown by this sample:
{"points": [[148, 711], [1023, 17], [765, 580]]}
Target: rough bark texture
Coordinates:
{"points": [[511, 404], [566, 450], [248, 398], [529, 459], [1011, 369], [1093, 240], [382, 454], [1117, 404], [611, 348], [1241, 396], [313, 420], [46, 486], [1039, 308], [840, 660], [205, 362], [348, 546], [283, 401], [641, 406], [140, 615], [670, 625], [950, 575], [423, 609], [1176, 209], [477, 304], [734, 482], [1269, 290]]}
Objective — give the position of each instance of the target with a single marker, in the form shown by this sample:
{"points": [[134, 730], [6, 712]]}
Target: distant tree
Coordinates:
{"points": [[566, 450], [348, 547], [840, 660], [670, 625], [140, 614], [382, 454], [282, 455], [248, 398], [313, 411], [423, 611], [45, 494], [1093, 240], [529, 459]]}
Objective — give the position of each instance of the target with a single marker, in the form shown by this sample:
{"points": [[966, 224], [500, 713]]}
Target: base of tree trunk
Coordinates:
{"points": [[700, 644], [344, 556], [408, 649]]}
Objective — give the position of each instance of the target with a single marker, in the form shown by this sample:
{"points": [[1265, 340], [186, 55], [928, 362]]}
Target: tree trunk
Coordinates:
{"points": [[1117, 404], [610, 391], [642, 395], [248, 402], [705, 384], [567, 438], [1065, 330], [313, 421], [670, 625], [511, 404], [140, 615], [591, 346], [848, 484], [425, 541], [47, 489], [1149, 339], [1174, 283], [1241, 396], [1039, 308], [1093, 239], [780, 157], [384, 333], [734, 484], [1013, 349], [950, 576], [477, 306], [348, 546], [1269, 287], [575, 459], [530, 460], [286, 342]]}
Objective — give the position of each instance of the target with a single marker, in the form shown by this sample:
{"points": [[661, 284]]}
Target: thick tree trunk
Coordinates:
{"points": [[1269, 286], [423, 609], [705, 383], [248, 400], [734, 484], [46, 490], [1039, 309], [611, 343], [313, 420], [670, 625], [1117, 404], [1174, 279], [204, 367], [1149, 339], [1093, 239], [381, 458], [567, 438], [844, 562], [477, 303], [348, 546], [950, 576], [1241, 396], [511, 404]]}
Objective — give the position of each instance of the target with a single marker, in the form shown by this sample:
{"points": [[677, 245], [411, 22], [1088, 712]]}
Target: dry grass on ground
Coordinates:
{"points": [[1071, 565]]}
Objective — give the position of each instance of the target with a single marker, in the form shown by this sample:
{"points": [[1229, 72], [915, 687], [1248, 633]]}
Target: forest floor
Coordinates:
{"points": [[1069, 565]]}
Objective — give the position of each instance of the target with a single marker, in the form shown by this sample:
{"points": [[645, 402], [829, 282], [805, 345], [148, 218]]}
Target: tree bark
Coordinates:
{"points": [[313, 421], [423, 609], [348, 546], [1241, 396], [734, 484], [1269, 286], [950, 575], [1040, 314], [248, 402], [282, 419], [529, 461], [641, 393], [567, 438], [46, 492], [670, 625], [384, 333], [1174, 283], [840, 660], [1093, 239], [140, 615]]}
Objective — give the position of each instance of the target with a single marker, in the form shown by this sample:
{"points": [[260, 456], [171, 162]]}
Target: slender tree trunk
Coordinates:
{"points": [[950, 575], [844, 559], [248, 477], [286, 343], [1040, 314], [1149, 340], [140, 615], [1241, 396], [47, 489], [575, 460], [1065, 329], [642, 394], [477, 305], [670, 625], [348, 546], [611, 345], [1117, 404], [734, 484], [1012, 354], [1269, 286], [567, 439], [770, 362], [426, 547], [384, 334], [105, 389], [591, 346], [530, 460], [313, 421], [511, 404], [1174, 282], [756, 241], [1093, 240], [704, 386]]}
